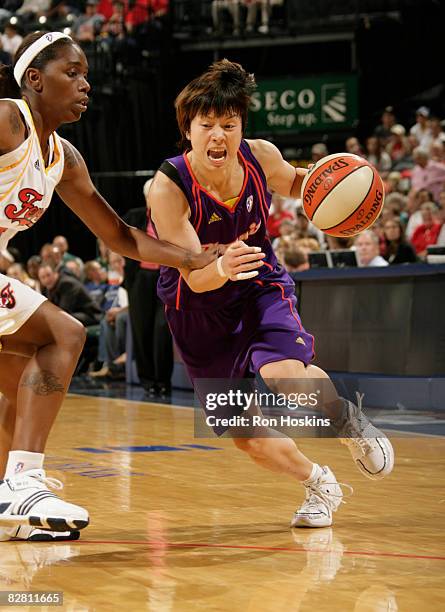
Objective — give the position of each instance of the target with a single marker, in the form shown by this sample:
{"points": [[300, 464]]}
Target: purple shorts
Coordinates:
{"points": [[237, 340]]}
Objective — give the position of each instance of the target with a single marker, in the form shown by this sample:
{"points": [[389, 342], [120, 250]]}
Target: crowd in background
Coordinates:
{"points": [[90, 19], [112, 22], [111, 296], [411, 163]]}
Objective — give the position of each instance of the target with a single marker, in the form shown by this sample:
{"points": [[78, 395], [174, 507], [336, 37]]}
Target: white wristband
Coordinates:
{"points": [[219, 267]]}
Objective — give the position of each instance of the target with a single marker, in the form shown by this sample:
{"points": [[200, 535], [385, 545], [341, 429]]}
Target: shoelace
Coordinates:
{"points": [[364, 444], [51, 483], [354, 430], [313, 491]]}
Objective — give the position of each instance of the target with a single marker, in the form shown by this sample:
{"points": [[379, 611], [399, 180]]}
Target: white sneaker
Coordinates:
{"points": [[323, 497], [26, 500], [37, 535], [370, 448]]}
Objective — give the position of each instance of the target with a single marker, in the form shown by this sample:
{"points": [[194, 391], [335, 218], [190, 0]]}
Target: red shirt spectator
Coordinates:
{"points": [[277, 216], [142, 10], [425, 236], [427, 233], [105, 8], [275, 220]]}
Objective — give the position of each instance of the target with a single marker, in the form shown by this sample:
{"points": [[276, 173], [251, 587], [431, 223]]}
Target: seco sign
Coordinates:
{"points": [[283, 106]]}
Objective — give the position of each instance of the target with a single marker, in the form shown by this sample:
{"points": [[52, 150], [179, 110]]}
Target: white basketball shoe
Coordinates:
{"points": [[370, 448], [25, 499], [323, 497], [37, 535]]}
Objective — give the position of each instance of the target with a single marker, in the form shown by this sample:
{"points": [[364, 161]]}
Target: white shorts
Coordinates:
{"points": [[17, 303]]}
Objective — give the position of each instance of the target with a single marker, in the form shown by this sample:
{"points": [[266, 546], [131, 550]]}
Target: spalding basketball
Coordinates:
{"points": [[342, 194]]}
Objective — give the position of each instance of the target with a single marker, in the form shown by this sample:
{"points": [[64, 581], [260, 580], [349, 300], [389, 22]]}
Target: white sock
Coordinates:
{"points": [[22, 461], [315, 474]]}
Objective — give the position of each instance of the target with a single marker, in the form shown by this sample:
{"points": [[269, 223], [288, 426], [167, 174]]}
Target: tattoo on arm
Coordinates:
{"points": [[43, 382], [72, 156], [14, 123]]}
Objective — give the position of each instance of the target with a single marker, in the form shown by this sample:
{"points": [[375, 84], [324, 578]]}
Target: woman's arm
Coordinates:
{"points": [[79, 194], [280, 175], [12, 127], [170, 214]]}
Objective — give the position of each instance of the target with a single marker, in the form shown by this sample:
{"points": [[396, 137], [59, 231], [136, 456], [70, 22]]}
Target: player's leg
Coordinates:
{"points": [[274, 451], [7, 423], [52, 342], [370, 448], [13, 365]]}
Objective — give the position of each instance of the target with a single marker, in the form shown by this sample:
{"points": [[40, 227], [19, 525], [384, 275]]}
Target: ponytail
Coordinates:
{"points": [[8, 85]]}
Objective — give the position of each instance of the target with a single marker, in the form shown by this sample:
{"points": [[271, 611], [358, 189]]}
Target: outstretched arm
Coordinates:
{"points": [[79, 194], [172, 223]]}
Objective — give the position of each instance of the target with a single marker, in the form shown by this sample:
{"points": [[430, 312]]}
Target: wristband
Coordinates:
{"points": [[220, 268]]}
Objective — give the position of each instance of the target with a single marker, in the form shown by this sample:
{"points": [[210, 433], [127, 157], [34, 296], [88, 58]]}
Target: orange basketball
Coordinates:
{"points": [[343, 194]]}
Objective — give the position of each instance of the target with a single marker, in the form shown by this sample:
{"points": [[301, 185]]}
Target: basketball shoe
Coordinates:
{"points": [[25, 499], [323, 497], [370, 448], [37, 535]]}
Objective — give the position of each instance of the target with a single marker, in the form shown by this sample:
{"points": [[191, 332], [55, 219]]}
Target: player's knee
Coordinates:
{"points": [[74, 336], [251, 446], [282, 376]]}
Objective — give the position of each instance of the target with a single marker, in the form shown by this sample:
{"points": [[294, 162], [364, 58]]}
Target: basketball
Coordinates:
{"points": [[342, 194]]}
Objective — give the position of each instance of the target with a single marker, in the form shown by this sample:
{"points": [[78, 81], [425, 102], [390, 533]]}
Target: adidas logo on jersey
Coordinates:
{"points": [[214, 217], [37, 164], [300, 340]]}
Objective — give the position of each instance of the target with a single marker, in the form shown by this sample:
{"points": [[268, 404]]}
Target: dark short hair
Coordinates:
{"points": [[224, 88], [47, 264]]}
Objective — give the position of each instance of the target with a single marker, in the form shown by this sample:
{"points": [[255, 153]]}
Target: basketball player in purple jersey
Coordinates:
{"points": [[237, 316]]}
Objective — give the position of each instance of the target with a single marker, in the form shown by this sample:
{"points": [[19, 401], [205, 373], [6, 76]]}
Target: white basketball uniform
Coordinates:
{"points": [[26, 189]]}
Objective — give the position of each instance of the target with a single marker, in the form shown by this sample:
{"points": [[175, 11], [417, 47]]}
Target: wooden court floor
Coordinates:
{"points": [[176, 527]]}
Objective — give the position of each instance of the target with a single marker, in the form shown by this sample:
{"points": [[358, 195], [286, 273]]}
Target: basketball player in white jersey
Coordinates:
{"points": [[39, 343]]}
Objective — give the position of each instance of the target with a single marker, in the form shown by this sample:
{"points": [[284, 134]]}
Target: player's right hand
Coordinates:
{"points": [[241, 261]]}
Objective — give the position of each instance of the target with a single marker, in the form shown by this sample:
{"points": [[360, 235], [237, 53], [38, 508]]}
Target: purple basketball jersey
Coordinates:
{"points": [[214, 221], [233, 331]]}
